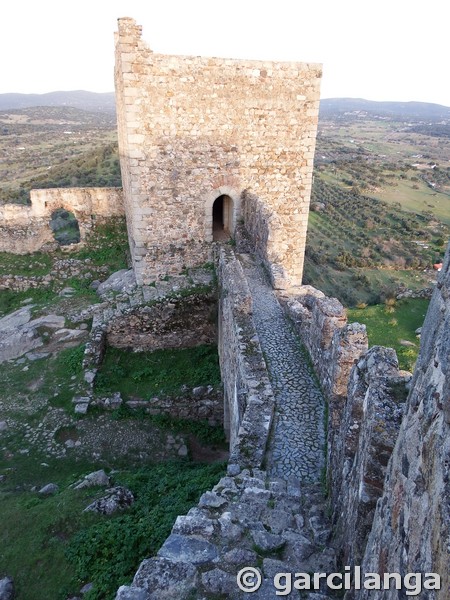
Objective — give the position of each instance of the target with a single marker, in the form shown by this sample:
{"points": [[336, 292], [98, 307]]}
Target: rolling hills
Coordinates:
{"points": [[381, 195], [77, 99]]}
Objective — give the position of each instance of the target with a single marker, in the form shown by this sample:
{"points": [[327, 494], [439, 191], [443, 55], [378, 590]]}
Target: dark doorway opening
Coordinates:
{"points": [[222, 216], [65, 227]]}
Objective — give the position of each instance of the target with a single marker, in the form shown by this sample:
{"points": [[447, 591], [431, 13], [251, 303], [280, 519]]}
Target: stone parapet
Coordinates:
{"points": [[411, 527], [333, 345], [248, 395]]}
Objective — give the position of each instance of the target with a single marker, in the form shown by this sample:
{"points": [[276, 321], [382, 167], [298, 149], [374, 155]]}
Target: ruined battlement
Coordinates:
{"points": [[26, 229]]}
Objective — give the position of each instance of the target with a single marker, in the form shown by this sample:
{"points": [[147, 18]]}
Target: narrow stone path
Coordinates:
{"points": [[296, 447]]}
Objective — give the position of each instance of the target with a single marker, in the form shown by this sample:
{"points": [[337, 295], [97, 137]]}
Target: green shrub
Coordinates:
{"points": [[72, 359], [108, 553]]}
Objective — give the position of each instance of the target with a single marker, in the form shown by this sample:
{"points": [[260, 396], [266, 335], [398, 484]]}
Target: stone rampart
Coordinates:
{"points": [[411, 528], [192, 129], [248, 395], [362, 446], [366, 394], [25, 229]]}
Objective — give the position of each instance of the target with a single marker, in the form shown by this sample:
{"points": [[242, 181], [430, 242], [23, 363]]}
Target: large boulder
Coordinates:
{"points": [[116, 498], [49, 489], [19, 333], [93, 479], [120, 282]]}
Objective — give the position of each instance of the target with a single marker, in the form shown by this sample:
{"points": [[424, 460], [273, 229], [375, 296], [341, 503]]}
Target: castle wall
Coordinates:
{"points": [[25, 229], [193, 128], [248, 396], [362, 445], [366, 394], [411, 528]]}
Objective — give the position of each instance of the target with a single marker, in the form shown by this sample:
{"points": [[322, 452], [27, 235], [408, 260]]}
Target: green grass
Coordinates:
{"points": [[11, 301], [107, 245], [416, 200], [389, 325], [51, 548], [35, 530], [38, 263], [109, 552], [147, 374]]}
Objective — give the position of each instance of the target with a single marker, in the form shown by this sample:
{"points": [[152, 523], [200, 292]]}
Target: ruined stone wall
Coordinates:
{"points": [[411, 528], [181, 313], [362, 446], [192, 129], [197, 404], [248, 395], [25, 229], [170, 323]]}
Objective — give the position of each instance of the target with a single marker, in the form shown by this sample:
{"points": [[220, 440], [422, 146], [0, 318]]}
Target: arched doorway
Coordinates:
{"points": [[222, 218], [64, 225]]}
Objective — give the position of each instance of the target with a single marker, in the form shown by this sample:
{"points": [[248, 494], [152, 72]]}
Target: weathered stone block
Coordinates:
{"points": [[181, 548]]}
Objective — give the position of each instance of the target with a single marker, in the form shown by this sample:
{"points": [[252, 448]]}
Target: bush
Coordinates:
{"points": [[109, 552]]}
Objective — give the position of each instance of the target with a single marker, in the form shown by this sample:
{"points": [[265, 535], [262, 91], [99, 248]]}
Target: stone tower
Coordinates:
{"points": [[206, 143]]}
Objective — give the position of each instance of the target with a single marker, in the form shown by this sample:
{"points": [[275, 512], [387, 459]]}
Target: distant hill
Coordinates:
{"points": [[91, 101], [334, 108], [348, 108], [47, 118]]}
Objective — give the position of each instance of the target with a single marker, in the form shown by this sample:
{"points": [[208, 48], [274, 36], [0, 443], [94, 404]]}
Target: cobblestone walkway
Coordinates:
{"points": [[297, 441]]}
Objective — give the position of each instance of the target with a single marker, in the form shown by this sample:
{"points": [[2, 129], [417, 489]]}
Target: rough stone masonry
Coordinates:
{"points": [[200, 136]]}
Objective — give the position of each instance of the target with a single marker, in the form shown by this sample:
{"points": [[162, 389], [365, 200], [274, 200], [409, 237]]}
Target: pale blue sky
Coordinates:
{"points": [[379, 50]]}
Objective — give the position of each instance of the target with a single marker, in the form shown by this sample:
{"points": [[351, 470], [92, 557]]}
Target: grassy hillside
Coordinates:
{"points": [[361, 249], [382, 198], [56, 147]]}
